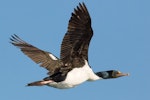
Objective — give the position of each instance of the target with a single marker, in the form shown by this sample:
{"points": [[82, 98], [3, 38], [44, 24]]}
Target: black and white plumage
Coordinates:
{"points": [[72, 68]]}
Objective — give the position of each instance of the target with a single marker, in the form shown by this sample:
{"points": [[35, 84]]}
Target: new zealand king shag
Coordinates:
{"points": [[72, 68]]}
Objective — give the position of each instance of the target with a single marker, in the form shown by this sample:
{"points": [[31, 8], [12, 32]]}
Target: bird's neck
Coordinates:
{"points": [[104, 74]]}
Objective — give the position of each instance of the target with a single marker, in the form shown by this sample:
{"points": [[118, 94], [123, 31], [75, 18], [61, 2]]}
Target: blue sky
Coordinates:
{"points": [[121, 41]]}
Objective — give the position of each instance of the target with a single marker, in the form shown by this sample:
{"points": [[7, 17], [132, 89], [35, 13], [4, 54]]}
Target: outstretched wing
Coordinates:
{"points": [[45, 59], [76, 41]]}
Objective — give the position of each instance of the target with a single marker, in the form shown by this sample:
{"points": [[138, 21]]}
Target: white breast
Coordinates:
{"points": [[76, 77]]}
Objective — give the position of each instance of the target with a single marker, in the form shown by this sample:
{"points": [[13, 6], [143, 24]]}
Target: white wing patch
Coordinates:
{"points": [[52, 56]]}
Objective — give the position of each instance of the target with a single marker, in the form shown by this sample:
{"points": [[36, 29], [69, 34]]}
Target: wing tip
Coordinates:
{"points": [[80, 17], [15, 39]]}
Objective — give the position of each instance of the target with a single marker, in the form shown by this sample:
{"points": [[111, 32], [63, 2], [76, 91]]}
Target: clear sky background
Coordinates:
{"points": [[121, 41]]}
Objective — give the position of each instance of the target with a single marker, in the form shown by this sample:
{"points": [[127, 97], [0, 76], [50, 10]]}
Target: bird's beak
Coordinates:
{"points": [[122, 74]]}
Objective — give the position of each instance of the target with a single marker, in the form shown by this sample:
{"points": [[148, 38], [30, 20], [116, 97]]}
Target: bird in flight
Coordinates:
{"points": [[72, 68]]}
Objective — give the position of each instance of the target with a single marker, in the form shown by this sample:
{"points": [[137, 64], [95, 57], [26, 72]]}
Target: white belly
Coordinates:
{"points": [[76, 77]]}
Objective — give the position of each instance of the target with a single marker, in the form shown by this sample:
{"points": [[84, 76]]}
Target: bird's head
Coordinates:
{"points": [[116, 74], [111, 74]]}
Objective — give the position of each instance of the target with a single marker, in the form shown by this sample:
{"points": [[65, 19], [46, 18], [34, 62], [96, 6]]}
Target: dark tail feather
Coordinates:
{"points": [[36, 83], [40, 83]]}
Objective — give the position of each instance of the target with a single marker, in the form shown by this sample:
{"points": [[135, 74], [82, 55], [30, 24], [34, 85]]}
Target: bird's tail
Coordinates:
{"points": [[39, 83]]}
